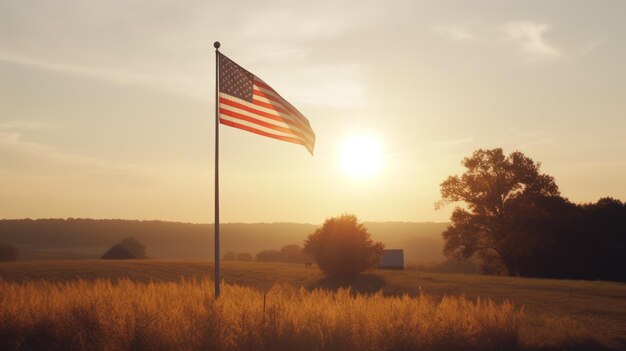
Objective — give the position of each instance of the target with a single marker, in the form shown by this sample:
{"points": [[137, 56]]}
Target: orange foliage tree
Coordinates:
{"points": [[497, 190], [343, 248]]}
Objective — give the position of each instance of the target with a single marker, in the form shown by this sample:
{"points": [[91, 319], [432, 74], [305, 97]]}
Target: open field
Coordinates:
{"points": [[599, 307], [127, 315]]}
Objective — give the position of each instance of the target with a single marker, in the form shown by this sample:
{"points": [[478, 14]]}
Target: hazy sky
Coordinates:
{"points": [[107, 110]]}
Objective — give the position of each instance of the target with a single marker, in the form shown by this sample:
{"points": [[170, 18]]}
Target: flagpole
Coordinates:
{"points": [[216, 45]]}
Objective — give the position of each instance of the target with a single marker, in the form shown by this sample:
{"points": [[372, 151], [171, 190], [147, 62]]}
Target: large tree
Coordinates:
{"points": [[342, 247], [495, 189]]}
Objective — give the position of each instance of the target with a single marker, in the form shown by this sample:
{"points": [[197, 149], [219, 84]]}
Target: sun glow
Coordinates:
{"points": [[361, 156]]}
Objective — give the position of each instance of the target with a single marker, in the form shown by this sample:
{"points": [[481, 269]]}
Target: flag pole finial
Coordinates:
{"points": [[216, 45]]}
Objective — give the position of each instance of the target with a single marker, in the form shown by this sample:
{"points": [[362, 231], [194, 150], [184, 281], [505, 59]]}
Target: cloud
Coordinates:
{"points": [[165, 83], [521, 139], [340, 88], [455, 33], [593, 46], [167, 48], [11, 142], [23, 125], [298, 53], [530, 36], [272, 24], [454, 142], [36, 158], [66, 68]]}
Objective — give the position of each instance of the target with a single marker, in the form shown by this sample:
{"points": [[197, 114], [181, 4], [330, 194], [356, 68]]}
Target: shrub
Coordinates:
{"points": [[342, 247], [127, 249], [134, 247]]}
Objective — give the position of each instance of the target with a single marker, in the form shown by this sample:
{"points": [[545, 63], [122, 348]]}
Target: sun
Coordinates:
{"points": [[361, 156]]}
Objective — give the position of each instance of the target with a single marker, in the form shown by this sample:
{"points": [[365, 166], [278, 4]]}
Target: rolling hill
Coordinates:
{"points": [[89, 238]]}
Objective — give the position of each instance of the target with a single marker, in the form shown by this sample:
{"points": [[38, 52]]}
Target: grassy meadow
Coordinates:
{"points": [[151, 305]]}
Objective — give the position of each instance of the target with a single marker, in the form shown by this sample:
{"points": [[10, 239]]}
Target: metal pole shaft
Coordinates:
{"points": [[217, 174]]}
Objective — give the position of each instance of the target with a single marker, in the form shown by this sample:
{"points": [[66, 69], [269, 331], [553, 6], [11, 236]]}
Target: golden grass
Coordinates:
{"points": [[128, 315]]}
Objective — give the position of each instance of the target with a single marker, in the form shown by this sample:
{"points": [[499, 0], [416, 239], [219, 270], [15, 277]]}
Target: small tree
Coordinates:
{"points": [[127, 249], [342, 247], [134, 247], [8, 252], [230, 256]]}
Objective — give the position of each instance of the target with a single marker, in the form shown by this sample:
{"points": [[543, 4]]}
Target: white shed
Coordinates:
{"points": [[392, 259]]}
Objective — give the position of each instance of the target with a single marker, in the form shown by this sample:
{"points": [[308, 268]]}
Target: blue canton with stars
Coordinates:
{"points": [[234, 80]]}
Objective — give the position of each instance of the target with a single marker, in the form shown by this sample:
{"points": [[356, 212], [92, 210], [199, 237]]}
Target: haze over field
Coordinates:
{"points": [[106, 107], [86, 238]]}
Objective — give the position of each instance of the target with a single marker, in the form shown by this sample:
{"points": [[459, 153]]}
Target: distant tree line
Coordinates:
{"points": [[516, 222], [242, 256], [58, 232], [165, 239], [288, 254], [34, 237]]}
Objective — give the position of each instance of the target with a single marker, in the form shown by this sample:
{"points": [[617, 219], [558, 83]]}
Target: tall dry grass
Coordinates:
{"points": [[127, 315]]}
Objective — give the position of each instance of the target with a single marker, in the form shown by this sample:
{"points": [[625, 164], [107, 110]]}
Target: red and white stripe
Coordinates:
{"points": [[268, 115]]}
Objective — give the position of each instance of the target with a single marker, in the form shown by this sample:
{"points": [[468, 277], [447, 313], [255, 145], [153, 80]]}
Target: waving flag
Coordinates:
{"points": [[246, 102]]}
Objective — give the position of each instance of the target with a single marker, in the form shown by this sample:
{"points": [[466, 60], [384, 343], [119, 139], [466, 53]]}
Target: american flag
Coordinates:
{"points": [[246, 102]]}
